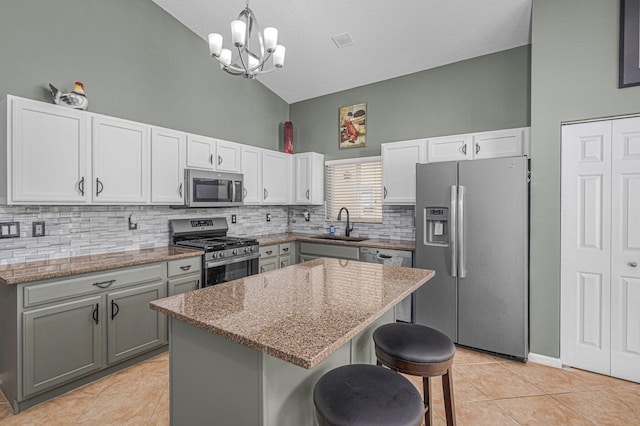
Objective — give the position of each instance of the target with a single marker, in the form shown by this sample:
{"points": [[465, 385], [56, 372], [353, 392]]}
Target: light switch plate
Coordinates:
{"points": [[233, 218], [37, 229], [10, 230], [268, 217]]}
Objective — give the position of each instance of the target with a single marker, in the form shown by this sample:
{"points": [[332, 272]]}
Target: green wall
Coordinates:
{"points": [[574, 76], [485, 93], [137, 62]]}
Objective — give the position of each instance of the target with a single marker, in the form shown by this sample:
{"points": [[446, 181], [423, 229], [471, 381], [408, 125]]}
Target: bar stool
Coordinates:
{"points": [[366, 395], [419, 351]]}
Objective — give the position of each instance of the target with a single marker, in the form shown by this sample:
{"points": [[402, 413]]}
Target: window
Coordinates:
{"points": [[357, 185]]}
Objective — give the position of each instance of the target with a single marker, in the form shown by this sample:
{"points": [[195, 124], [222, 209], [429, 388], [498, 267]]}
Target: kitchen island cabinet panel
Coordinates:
{"points": [[61, 342]]}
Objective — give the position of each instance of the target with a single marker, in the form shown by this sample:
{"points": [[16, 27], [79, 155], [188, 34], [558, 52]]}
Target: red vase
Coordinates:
{"points": [[288, 137]]}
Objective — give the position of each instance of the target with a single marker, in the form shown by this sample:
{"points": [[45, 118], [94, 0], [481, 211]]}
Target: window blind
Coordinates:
{"points": [[357, 185]]}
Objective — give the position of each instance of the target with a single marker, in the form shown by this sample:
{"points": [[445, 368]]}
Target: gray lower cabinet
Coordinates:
{"points": [[276, 256], [61, 343], [133, 328], [183, 284], [309, 251]]}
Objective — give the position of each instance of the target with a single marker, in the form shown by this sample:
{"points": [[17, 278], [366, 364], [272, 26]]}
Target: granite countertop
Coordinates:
{"points": [[17, 273], [313, 238], [301, 313]]}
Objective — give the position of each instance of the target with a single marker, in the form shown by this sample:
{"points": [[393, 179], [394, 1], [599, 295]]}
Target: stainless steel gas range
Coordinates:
{"points": [[225, 258]]}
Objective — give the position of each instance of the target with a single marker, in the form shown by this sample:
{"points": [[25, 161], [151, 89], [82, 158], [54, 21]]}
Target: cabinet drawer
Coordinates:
{"points": [[330, 250], [38, 294], [189, 265], [268, 251], [285, 249]]}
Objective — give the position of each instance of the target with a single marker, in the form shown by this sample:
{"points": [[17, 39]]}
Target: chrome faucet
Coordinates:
{"points": [[347, 230]]}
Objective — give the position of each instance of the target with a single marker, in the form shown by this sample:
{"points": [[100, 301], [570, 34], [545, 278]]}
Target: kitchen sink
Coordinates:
{"points": [[340, 238]]}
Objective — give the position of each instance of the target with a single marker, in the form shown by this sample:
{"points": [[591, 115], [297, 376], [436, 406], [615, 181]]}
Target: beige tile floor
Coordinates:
{"points": [[488, 391]]}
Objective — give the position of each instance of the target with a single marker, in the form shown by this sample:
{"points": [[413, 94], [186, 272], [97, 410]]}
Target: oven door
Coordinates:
{"points": [[218, 272], [211, 189]]}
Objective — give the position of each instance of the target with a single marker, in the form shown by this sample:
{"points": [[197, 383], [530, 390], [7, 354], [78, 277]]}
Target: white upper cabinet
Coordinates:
{"points": [[252, 171], [450, 148], [201, 152], [500, 143], [308, 178], [48, 151], [120, 161], [399, 161], [276, 177], [167, 166], [229, 157], [476, 146]]}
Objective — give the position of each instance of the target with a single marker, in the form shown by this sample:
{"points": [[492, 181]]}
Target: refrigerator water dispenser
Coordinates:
{"points": [[436, 226]]}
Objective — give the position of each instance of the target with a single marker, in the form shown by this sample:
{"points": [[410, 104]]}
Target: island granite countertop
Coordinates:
{"points": [[301, 313], [16, 273], [381, 243]]}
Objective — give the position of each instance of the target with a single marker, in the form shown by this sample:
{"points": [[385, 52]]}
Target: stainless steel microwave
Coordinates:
{"points": [[212, 189]]}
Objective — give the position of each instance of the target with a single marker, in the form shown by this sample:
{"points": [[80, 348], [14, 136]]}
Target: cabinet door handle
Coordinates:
{"points": [[477, 148], [384, 189], [99, 187], [282, 265], [633, 264], [185, 267], [104, 284], [211, 159], [269, 251], [197, 284], [81, 186], [262, 269], [464, 149], [219, 160], [285, 249], [180, 190], [95, 312], [244, 193], [114, 309], [266, 193]]}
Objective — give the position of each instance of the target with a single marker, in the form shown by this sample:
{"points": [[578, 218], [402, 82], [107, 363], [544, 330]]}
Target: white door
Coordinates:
{"points": [[585, 246], [399, 161], [449, 148], [201, 152], [625, 250], [167, 166], [499, 143], [229, 157], [49, 154], [120, 161], [276, 177], [252, 171]]}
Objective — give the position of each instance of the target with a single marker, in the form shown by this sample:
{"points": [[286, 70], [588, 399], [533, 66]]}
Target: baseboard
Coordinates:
{"points": [[545, 360]]}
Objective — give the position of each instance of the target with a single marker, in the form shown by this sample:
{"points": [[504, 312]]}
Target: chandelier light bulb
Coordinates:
{"points": [[278, 56], [270, 39], [215, 44], [225, 57], [253, 62], [238, 30]]}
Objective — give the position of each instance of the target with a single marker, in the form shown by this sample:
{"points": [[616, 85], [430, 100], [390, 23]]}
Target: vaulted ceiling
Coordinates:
{"points": [[390, 38]]}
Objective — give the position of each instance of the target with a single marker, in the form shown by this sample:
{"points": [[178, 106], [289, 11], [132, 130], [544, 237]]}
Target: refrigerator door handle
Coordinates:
{"points": [[452, 231], [462, 271]]}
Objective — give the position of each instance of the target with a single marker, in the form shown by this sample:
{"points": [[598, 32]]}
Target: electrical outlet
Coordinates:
{"points": [[10, 230], [37, 229], [233, 218], [268, 217]]}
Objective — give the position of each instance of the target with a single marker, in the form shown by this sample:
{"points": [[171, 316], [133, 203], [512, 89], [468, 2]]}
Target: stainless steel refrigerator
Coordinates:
{"points": [[472, 229]]}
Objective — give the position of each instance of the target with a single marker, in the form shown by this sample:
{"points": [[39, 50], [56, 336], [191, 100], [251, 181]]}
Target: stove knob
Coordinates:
{"points": [[214, 255], [247, 249], [234, 252], [221, 254], [252, 249]]}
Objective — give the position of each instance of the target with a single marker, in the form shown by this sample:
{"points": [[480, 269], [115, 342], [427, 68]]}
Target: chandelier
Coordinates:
{"points": [[247, 61]]}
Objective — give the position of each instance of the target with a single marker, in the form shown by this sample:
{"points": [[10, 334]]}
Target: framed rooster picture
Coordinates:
{"points": [[353, 126]]}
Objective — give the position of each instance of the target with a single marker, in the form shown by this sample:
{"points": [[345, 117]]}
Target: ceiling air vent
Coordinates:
{"points": [[342, 40]]}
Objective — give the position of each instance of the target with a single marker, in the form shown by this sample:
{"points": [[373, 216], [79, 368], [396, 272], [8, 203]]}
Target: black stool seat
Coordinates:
{"points": [[414, 343], [366, 395]]}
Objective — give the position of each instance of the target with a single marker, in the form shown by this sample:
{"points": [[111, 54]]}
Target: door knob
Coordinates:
{"points": [[633, 264]]}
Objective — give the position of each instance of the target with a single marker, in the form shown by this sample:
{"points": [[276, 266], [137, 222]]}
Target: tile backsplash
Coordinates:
{"points": [[82, 230]]}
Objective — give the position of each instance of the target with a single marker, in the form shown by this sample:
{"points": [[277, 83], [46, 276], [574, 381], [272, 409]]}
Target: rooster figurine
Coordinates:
{"points": [[74, 99]]}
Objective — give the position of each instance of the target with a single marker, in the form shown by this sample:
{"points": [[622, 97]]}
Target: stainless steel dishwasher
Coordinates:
{"points": [[397, 258]]}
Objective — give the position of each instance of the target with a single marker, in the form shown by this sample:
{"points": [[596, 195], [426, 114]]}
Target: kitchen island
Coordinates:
{"points": [[250, 351]]}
